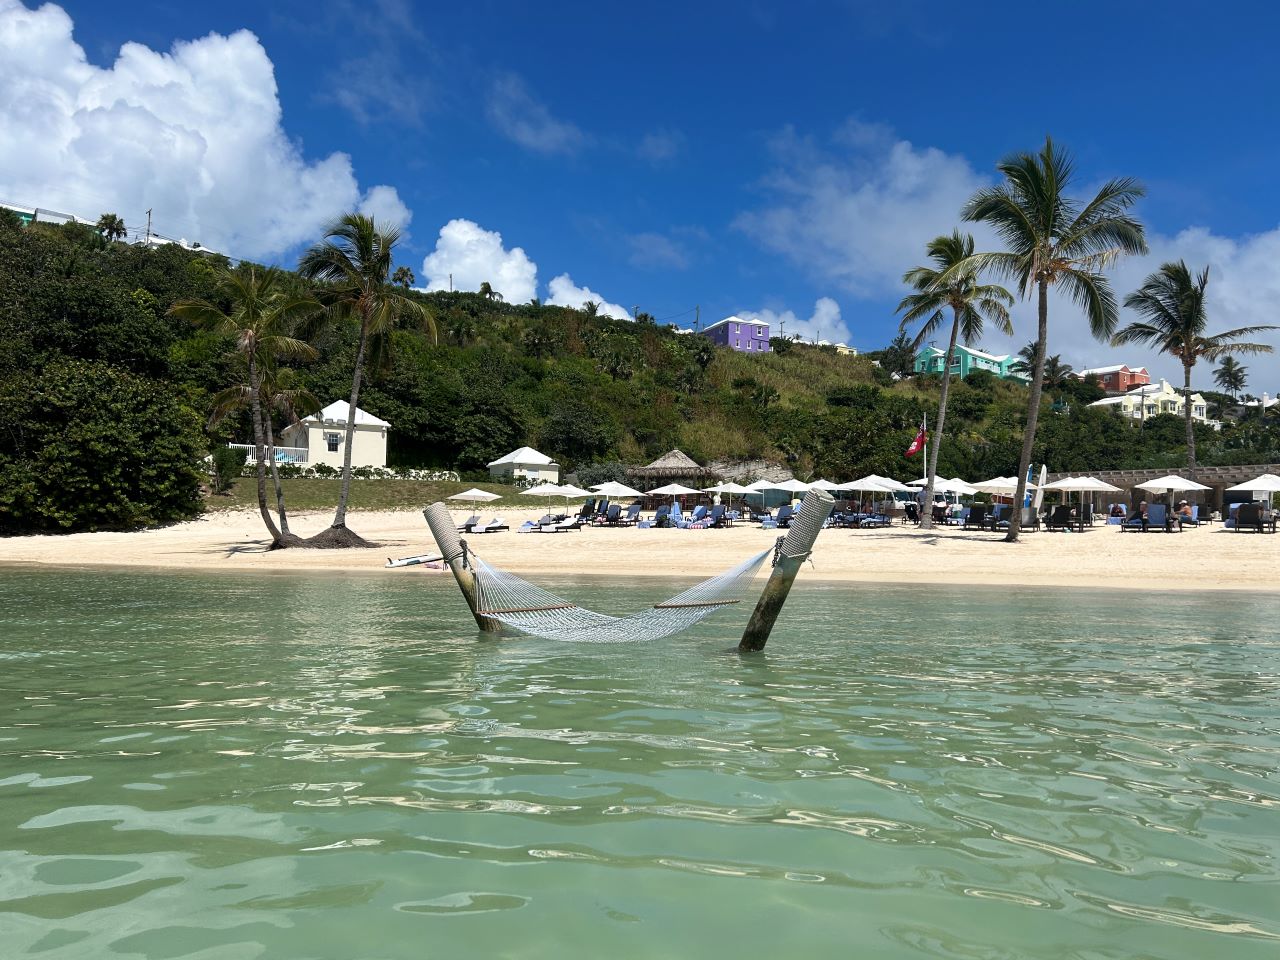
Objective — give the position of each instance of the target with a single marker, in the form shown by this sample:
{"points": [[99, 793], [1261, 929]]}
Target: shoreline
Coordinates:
{"points": [[1208, 558]]}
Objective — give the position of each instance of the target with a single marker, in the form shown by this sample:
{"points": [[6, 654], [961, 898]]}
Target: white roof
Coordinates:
{"points": [[1112, 368], [972, 351], [523, 455], [1107, 402], [336, 412], [734, 319]]}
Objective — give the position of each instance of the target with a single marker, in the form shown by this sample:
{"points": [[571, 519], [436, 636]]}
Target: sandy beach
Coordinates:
{"points": [[1205, 558]]}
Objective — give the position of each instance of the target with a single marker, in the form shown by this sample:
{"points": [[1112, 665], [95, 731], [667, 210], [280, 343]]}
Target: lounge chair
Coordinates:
{"points": [[611, 517], [662, 518], [493, 526], [470, 522], [785, 513], [563, 525], [1250, 517], [1121, 518], [1029, 523], [717, 516], [676, 516], [694, 520], [977, 517], [1062, 518], [911, 513], [632, 515]]}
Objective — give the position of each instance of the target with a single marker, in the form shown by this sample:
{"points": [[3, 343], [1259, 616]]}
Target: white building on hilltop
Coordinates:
{"points": [[321, 436]]}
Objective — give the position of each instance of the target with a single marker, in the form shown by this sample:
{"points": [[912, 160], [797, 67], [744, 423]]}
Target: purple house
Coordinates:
{"points": [[749, 336]]}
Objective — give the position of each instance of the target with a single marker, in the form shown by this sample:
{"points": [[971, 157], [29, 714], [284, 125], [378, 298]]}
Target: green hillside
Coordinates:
{"points": [[105, 399]]}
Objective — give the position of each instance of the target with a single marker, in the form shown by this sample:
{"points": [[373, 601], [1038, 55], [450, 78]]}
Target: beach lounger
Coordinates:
{"points": [[695, 519], [976, 517], [632, 516], [1250, 518], [1062, 518], [783, 519], [611, 517], [561, 526], [493, 526], [470, 522], [717, 517]]}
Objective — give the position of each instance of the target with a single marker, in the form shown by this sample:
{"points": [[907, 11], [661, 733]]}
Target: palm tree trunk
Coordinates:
{"points": [[926, 515], [1033, 414], [275, 476], [1191, 432], [255, 406], [340, 517]]}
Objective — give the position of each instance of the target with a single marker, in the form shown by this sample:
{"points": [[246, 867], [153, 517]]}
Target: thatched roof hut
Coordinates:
{"points": [[674, 466]]}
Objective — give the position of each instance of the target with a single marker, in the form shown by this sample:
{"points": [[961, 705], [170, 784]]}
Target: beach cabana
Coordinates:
{"points": [[613, 489], [674, 466], [525, 464]]}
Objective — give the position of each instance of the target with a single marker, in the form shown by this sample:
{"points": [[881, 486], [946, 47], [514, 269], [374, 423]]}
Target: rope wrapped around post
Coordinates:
{"points": [[455, 554], [791, 552]]}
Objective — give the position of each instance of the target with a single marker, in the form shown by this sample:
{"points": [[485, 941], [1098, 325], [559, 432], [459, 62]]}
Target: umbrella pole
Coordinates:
{"points": [[793, 550]]}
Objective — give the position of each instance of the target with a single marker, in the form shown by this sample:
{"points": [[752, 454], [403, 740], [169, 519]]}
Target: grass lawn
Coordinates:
{"points": [[316, 494]]}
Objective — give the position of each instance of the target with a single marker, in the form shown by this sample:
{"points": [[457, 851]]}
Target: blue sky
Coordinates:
{"points": [[753, 158]]}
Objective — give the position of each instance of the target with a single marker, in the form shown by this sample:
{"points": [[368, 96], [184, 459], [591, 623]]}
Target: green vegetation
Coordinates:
{"points": [[109, 402]]}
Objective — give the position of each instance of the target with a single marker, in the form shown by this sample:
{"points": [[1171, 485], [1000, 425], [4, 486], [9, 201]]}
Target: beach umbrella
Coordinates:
{"points": [[1267, 483], [922, 482], [891, 483], [543, 490], [791, 486], [729, 488], [1171, 484], [1001, 486], [671, 490], [827, 485], [475, 495], [615, 489]]}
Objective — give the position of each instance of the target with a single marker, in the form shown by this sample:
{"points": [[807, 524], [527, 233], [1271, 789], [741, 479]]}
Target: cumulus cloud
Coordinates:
{"points": [[825, 323], [474, 255], [565, 293], [519, 116], [859, 210], [194, 134]]}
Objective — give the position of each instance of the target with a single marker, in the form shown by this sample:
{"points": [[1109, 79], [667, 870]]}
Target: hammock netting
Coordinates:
{"points": [[528, 608]]}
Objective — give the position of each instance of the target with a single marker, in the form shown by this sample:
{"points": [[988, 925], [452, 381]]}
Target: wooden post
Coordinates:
{"points": [[792, 553], [446, 537]]}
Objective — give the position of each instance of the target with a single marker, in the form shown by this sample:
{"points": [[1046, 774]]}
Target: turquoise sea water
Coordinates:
{"points": [[331, 767]]}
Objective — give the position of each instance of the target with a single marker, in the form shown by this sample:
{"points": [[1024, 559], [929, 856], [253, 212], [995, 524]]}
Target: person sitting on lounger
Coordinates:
{"points": [[1140, 516], [1117, 510], [1184, 512]]}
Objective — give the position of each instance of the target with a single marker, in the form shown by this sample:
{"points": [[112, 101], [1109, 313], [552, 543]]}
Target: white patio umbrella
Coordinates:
{"points": [[890, 483], [1171, 483], [1267, 483], [828, 486], [475, 495], [543, 490], [791, 486], [1082, 485], [1001, 486], [615, 489], [671, 490], [729, 488]]}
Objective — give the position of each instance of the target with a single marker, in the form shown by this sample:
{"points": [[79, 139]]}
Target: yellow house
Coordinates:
{"points": [[1156, 398], [319, 437], [525, 463]]}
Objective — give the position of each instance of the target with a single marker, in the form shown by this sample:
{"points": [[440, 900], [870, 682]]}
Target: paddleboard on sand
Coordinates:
{"points": [[430, 559]]}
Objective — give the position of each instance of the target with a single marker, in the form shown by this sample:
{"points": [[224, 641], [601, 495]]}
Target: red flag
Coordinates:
{"points": [[918, 443]]}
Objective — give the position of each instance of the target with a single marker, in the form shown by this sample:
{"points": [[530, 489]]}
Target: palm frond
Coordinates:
{"points": [[1092, 293]]}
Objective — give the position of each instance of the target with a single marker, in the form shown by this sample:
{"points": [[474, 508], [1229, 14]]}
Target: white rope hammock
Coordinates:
{"points": [[526, 607]]}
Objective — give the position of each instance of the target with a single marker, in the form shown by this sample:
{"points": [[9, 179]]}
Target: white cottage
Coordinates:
{"points": [[321, 436], [525, 462]]}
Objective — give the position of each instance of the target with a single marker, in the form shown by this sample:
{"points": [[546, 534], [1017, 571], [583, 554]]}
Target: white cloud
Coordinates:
{"points": [[656, 250], [194, 134], [659, 146], [565, 293], [386, 207], [519, 116], [860, 212], [474, 255], [825, 323]]}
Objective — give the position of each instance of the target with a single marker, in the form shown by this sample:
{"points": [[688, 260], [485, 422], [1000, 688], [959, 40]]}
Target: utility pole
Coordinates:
{"points": [[635, 312], [697, 317], [782, 329], [148, 242], [451, 283]]}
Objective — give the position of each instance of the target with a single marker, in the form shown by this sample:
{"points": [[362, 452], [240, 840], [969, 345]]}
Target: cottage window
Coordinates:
{"points": [[332, 440]]}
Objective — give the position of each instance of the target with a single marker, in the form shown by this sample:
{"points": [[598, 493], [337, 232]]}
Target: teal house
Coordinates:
{"points": [[965, 360]]}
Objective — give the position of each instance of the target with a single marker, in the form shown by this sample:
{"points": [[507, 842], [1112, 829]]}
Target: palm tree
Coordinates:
{"points": [[591, 308], [1173, 302], [1056, 373], [279, 391], [403, 277], [262, 315], [353, 263], [486, 290], [1054, 241], [1026, 361], [111, 227], [1230, 376], [948, 284]]}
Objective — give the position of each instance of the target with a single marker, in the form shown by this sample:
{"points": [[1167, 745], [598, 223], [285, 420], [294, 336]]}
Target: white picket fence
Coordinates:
{"points": [[283, 454]]}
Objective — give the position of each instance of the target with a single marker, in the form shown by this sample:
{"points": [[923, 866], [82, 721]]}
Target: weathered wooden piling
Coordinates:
{"points": [[451, 547], [793, 551]]}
